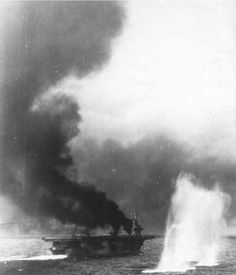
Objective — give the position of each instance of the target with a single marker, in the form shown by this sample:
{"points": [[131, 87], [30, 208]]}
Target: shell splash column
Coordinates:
{"points": [[195, 226]]}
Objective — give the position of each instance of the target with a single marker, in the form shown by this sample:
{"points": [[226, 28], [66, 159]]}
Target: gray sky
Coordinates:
{"points": [[172, 69]]}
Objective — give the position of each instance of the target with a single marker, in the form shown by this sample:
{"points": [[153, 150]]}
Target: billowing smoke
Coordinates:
{"points": [[44, 42], [143, 174], [139, 175]]}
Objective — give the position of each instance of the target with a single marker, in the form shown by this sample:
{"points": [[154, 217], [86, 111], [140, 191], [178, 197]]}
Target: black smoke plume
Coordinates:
{"points": [[143, 174], [139, 175], [44, 42]]}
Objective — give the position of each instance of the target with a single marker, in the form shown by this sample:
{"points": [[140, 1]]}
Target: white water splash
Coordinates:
{"points": [[195, 227]]}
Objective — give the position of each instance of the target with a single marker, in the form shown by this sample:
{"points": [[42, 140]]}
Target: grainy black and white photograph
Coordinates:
{"points": [[118, 137]]}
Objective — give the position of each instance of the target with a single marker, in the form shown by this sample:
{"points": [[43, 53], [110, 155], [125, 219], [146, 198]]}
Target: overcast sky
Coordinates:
{"points": [[172, 69]]}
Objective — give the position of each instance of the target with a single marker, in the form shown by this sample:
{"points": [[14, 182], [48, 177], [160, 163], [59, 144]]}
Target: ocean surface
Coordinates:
{"points": [[31, 256]]}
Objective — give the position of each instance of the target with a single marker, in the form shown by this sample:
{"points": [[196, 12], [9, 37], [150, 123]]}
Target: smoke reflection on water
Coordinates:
{"points": [[195, 227]]}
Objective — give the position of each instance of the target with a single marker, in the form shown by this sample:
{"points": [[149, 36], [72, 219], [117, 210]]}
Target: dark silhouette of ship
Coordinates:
{"points": [[100, 246]]}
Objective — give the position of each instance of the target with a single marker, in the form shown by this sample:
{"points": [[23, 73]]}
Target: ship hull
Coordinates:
{"points": [[100, 246]]}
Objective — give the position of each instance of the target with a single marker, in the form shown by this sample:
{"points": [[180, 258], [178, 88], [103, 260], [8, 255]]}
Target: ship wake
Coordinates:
{"points": [[34, 258]]}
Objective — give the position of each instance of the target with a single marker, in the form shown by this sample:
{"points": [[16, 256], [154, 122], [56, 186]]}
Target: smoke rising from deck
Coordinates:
{"points": [[149, 169], [44, 42]]}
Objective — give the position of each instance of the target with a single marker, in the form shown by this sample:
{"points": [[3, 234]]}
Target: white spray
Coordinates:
{"points": [[195, 226]]}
